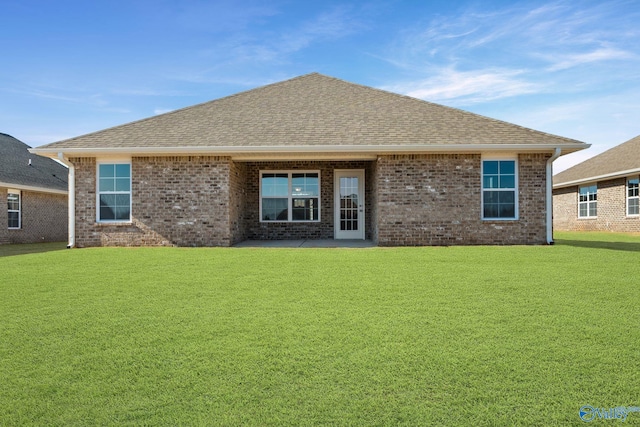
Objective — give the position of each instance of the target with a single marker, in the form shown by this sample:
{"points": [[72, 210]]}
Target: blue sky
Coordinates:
{"points": [[570, 68]]}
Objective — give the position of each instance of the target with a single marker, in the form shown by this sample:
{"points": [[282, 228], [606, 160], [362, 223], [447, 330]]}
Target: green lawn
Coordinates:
{"points": [[379, 336]]}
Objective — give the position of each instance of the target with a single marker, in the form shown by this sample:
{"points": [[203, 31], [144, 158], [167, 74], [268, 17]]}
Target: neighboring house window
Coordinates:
{"points": [[14, 209], [633, 199], [289, 196], [499, 183], [114, 192], [588, 201]]}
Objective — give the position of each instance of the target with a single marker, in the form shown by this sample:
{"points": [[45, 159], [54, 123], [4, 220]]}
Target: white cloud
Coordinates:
{"points": [[565, 34], [603, 54], [456, 87], [158, 111]]}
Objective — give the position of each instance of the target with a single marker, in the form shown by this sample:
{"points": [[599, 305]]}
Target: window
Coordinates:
{"points": [[633, 199], [289, 196], [14, 209], [499, 199], [114, 192], [588, 201]]}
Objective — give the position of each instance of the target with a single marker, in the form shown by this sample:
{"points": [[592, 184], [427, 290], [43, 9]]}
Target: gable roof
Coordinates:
{"points": [[621, 160], [15, 172], [312, 113]]}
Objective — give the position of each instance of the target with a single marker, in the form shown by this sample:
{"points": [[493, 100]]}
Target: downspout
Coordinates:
{"points": [[72, 200], [556, 153]]}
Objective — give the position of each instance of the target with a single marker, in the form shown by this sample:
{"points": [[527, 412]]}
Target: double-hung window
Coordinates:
{"points": [[588, 201], [114, 192], [289, 196], [499, 189], [633, 198], [14, 209]]}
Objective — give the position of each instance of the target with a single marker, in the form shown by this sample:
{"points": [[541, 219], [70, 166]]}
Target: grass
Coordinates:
{"points": [[379, 336]]}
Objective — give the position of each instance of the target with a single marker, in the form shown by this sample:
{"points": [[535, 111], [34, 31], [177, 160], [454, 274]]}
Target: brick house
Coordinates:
{"points": [[601, 193], [313, 157], [34, 190]]}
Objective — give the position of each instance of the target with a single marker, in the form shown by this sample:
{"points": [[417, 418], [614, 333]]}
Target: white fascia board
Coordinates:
{"points": [[318, 149], [33, 188], [596, 178]]}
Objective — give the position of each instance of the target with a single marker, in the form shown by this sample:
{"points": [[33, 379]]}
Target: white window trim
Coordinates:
{"points": [[626, 189], [130, 192], [503, 157], [587, 202], [19, 210], [290, 197]]}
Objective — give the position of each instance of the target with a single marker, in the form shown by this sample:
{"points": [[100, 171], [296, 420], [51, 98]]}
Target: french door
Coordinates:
{"points": [[349, 204]]}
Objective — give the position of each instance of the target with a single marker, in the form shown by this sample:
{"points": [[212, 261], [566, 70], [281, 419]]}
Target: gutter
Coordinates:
{"points": [[32, 188], [372, 150], [556, 153], [595, 178], [72, 200]]}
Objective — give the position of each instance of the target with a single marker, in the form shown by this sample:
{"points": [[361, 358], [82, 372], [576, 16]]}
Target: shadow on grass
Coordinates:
{"points": [[30, 248], [598, 244]]}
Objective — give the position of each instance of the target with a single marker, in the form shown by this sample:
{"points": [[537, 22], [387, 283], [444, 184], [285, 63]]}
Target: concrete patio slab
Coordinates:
{"points": [[310, 243]]}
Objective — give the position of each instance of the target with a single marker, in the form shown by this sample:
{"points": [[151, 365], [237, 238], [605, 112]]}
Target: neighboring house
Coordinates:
{"points": [[313, 157], [601, 193], [34, 191]]}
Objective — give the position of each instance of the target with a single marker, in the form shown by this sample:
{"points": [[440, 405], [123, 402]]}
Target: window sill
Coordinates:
{"points": [[113, 223], [290, 222]]}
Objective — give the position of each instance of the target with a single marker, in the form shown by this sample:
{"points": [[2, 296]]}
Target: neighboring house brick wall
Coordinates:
{"points": [[44, 218], [181, 200], [612, 209], [565, 208], [4, 217], [435, 199]]}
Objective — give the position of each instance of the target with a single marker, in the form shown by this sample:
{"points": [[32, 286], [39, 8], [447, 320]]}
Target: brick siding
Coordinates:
{"points": [[213, 201], [44, 218], [435, 199], [612, 209], [181, 201]]}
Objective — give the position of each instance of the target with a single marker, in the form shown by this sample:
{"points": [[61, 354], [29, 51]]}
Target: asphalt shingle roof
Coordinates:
{"points": [[312, 110], [15, 169], [623, 157]]}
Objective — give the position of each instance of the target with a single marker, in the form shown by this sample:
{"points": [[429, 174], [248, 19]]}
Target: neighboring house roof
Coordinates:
{"points": [[42, 174], [621, 160], [312, 113]]}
